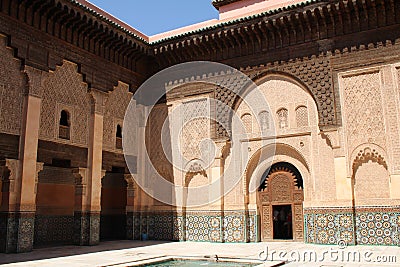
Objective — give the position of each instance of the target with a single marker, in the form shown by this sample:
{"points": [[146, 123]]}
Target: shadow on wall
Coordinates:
{"points": [[64, 251]]}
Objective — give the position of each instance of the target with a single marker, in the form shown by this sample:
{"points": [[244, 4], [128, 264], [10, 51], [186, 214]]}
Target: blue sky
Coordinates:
{"points": [[156, 16]]}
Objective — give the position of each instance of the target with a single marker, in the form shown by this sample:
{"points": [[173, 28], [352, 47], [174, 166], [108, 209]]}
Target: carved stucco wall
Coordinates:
{"points": [[114, 112], [371, 182], [64, 89], [158, 151], [282, 95], [363, 110], [302, 134], [315, 72], [392, 99], [370, 109], [301, 116], [12, 84], [196, 127]]}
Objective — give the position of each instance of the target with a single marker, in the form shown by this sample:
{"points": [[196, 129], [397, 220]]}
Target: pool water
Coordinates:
{"points": [[183, 263]]}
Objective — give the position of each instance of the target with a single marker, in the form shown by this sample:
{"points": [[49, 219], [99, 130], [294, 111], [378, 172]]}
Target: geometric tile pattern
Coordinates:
{"points": [[16, 231], [329, 226], [378, 227], [86, 228], [234, 228], [53, 230], [197, 226], [361, 226], [164, 232]]}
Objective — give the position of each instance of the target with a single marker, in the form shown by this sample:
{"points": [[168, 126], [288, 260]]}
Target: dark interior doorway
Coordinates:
{"points": [[282, 218], [113, 206]]}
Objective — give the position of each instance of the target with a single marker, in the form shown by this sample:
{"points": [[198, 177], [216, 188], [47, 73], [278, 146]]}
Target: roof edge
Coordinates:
{"points": [[218, 3]]}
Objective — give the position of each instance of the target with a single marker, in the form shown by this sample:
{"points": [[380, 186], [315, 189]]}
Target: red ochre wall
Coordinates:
{"points": [[113, 200], [55, 199]]}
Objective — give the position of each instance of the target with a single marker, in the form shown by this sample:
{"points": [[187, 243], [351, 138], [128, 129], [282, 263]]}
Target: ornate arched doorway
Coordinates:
{"points": [[280, 200]]}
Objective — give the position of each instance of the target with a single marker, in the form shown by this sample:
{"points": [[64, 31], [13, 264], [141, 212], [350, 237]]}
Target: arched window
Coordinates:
{"points": [[118, 140], [264, 121], [301, 116], [283, 118], [65, 125], [247, 122]]}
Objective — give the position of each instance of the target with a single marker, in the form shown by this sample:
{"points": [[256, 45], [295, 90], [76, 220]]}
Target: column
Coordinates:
{"points": [[217, 172], [88, 187], [130, 209], [343, 178], [20, 213], [81, 236]]}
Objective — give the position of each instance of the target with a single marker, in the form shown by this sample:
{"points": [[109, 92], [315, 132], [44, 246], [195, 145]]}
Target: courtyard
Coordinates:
{"points": [[128, 253]]}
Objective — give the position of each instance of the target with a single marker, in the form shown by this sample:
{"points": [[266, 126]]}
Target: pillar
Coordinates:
{"points": [[130, 211], [217, 172], [88, 181], [19, 213], [342, 177], [343, 182]]}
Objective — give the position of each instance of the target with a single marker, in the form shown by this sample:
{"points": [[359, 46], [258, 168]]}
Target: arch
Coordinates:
{"points": [[195, 167], [263, 77], [280, 203], [267, 155], [247, 121], [118, 137], [65, 118], [119, 131], [283, 118], [282, 165], [365, 153], [264, 121], [114, 197], [301, 116], [64, 125]]}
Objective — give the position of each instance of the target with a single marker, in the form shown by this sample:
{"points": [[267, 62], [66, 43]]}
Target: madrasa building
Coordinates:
{"points": [[328, 70]]}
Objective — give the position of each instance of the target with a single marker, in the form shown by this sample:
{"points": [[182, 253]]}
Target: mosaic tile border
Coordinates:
{"points": [[57, 230], [86, 228], [16, 231], [359, 225], [201, 226]]}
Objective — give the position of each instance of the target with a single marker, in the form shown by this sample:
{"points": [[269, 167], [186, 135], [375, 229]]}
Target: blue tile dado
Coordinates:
{"points": [[199, 226], [360, 225], [378, 226]]}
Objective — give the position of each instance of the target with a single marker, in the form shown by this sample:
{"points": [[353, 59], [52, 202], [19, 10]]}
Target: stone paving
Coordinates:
{"points": [[125, 253]]}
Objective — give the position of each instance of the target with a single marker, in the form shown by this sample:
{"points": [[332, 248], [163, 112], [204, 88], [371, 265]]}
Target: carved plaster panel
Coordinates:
{"points": [[363, 110], [65, 86], [114, 113], [12, 86]]}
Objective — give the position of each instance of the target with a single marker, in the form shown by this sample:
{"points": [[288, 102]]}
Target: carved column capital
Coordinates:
{"points": [[98, 101], [223, 148], [39, 168], [33, 81], [129, 178], [10, 169], [130, 185], [80, 175]]}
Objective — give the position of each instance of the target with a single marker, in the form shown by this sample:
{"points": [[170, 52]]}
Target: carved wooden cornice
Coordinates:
{"points": [[323, 25], [218, 3], [44, 32]]}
